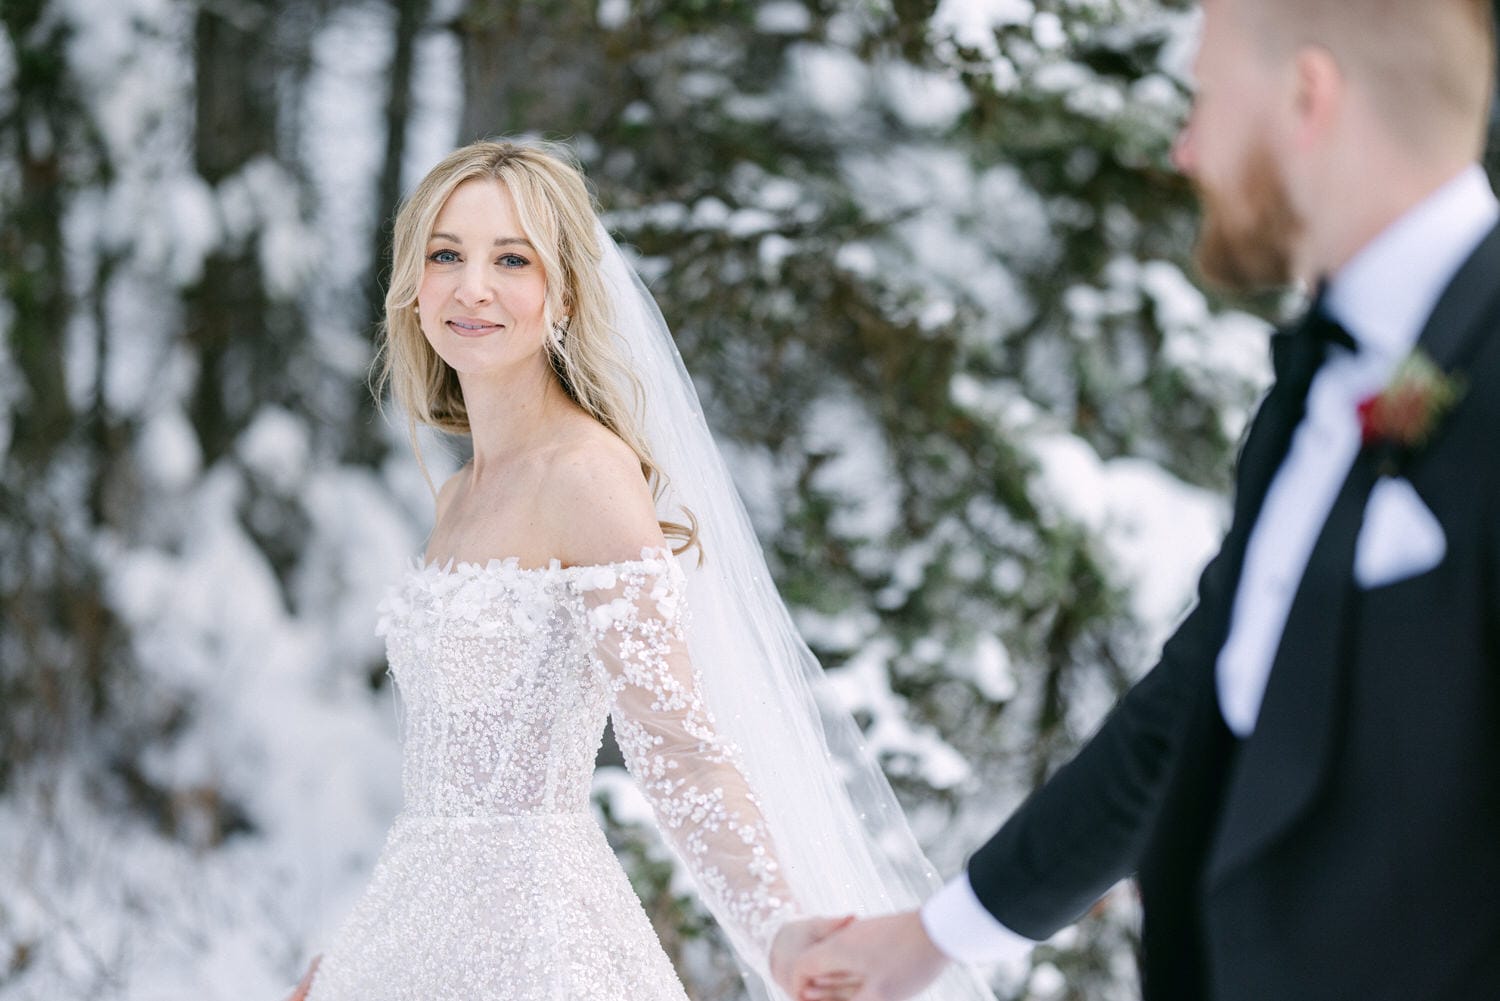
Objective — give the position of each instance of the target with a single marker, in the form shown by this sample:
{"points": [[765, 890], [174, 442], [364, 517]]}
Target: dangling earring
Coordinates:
{"points": [[555, 341]]}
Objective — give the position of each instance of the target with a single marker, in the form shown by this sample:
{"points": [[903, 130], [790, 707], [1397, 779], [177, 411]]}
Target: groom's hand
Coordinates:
{"points": [[891, 956], [794, 939]]}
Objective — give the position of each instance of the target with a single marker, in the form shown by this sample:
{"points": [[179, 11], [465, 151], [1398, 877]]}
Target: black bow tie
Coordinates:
{"points": [[1298, 353], [1320, 327]]}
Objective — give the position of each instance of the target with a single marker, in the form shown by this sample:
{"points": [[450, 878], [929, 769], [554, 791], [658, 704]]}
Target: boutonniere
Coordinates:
{"points": [[1402, 417]]}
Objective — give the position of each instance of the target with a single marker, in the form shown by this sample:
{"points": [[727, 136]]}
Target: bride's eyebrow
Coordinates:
{"points": [[500, 241]]}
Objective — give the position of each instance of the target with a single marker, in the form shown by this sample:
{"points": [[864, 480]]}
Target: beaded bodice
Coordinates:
{"points": [[506, 675], [502, 709]]}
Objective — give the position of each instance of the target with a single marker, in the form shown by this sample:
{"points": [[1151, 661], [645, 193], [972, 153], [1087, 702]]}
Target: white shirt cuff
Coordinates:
{"points": [[961, 927]]}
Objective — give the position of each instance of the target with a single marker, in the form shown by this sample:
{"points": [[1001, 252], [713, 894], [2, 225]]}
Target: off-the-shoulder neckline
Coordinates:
{"points": [[512, 564]]}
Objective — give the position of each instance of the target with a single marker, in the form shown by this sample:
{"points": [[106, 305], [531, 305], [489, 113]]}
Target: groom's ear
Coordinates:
{"points": [[1320, 96]]}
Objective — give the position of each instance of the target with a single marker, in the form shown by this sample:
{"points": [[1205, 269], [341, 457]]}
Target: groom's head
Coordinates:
{"points": [[1315, 122]]}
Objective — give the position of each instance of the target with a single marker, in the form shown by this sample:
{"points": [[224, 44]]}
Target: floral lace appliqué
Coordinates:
{"points": [[691, 775]]}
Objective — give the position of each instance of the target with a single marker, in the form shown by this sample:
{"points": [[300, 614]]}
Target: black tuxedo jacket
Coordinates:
{"points": [[1350, 847]]}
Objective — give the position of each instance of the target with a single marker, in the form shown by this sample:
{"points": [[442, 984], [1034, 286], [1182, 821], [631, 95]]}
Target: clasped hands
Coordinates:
{"points": [[843, 959]]}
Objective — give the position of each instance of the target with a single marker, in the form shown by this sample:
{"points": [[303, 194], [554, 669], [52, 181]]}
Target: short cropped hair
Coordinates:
{"points": [[1428, 64]]}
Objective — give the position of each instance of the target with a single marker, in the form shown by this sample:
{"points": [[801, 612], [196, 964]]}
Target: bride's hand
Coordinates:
{"points": [[796, 937], [307, 978]]}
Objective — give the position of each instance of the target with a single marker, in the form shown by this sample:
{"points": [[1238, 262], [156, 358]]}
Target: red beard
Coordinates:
{"points": [[1246, 237]]}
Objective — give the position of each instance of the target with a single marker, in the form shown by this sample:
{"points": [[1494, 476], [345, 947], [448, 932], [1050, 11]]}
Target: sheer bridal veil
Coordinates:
{"points": [[842, 838]]}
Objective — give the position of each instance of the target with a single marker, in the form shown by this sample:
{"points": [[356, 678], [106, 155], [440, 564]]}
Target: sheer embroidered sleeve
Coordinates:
{"points": [[689, 773]]}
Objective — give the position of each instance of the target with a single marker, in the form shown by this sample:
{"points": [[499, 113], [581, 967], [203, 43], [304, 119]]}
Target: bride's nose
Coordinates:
{"points": [[474, 286]]}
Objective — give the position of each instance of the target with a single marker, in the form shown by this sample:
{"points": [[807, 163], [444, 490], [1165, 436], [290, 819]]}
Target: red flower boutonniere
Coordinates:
{"points": [[1403, 415]]}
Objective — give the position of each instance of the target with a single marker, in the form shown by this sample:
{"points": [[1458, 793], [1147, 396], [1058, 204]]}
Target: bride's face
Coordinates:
{"points": [[483, 289]]}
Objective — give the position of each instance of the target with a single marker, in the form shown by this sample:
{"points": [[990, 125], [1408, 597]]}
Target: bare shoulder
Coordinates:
{"points": [[597, 502]]}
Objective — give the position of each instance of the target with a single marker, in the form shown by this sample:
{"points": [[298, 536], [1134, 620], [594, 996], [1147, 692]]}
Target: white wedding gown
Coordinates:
{"points": [[495, 881]]}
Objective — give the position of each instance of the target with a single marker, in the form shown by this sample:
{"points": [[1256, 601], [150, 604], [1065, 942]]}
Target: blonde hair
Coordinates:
{"points": [[556, 212], [1429, 64]]}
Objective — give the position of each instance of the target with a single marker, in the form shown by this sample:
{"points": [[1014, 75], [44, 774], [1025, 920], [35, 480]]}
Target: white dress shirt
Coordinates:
{"points": [[1383, 297]]}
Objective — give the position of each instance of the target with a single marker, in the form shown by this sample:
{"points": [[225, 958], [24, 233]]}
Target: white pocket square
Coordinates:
{"points": [[1400, 537]]}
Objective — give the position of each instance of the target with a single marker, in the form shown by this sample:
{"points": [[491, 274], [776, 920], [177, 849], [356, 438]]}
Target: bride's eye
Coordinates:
{"points": [[512, 261], [443, 257]]}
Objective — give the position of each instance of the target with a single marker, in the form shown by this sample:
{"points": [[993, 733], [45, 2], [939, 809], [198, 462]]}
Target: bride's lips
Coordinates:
{"points": [[468, 326]]}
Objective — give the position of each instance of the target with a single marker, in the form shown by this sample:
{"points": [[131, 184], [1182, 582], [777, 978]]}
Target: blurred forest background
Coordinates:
{"points": [[926, 260]]}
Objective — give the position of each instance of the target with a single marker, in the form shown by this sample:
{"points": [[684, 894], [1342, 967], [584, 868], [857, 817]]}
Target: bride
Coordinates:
{"points": [[592, 560]]}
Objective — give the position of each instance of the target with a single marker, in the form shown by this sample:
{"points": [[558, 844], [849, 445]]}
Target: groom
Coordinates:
{"points": [[1307, 786]]}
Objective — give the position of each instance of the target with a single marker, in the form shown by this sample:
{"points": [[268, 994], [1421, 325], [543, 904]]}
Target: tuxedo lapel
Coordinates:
{"points": [[1295, 356], [1284, 764], [1466, 311]]}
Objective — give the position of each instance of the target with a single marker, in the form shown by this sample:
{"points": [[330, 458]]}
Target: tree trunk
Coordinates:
{"points": [[57, 638], [227, 310], [541, 68]]}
